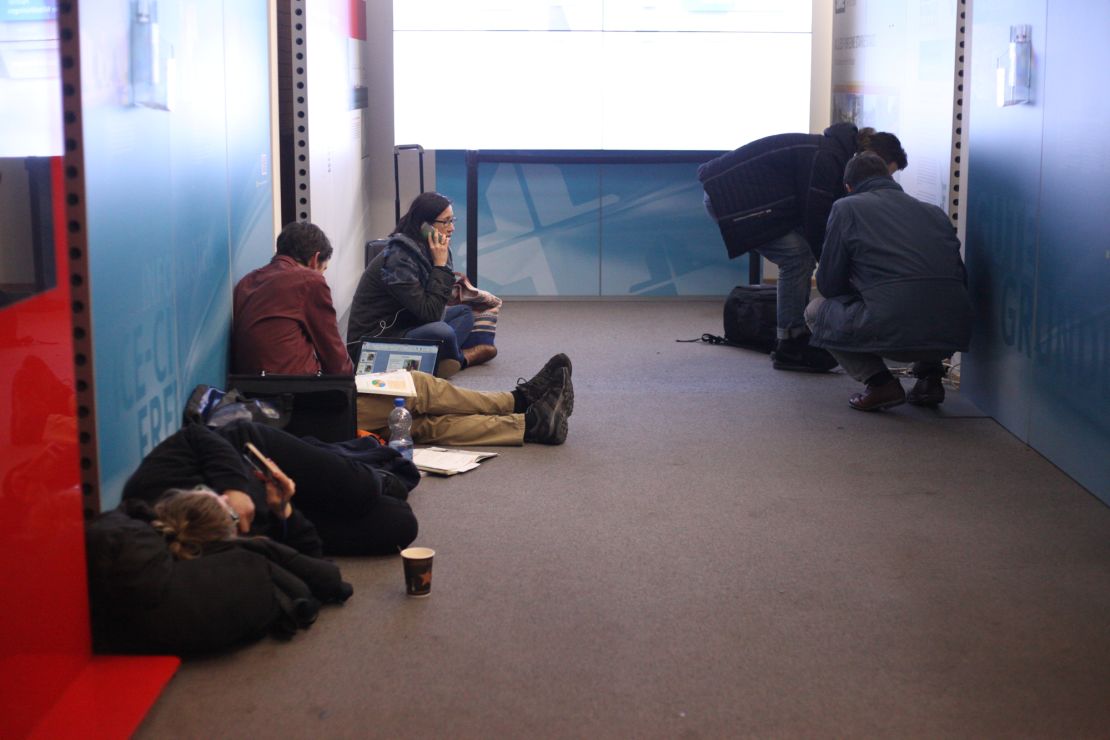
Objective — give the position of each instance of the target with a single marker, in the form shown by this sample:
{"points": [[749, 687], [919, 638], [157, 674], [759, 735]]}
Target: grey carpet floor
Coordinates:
{"points": [[719, 550]]}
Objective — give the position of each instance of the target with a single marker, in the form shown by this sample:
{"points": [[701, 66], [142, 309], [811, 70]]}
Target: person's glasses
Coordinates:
{"points": [[445, 221]]}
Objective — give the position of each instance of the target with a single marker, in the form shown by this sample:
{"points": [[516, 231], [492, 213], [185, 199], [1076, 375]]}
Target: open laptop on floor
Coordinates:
{"points": [[385, 355]]}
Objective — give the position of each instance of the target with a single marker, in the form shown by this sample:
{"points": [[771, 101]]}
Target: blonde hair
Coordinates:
{"points": [[191, 519]]}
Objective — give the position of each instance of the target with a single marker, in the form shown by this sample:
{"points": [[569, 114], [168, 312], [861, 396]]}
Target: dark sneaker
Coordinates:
{"points": [[876, 397], [796, 355], [546, 419], [549, 375], [927, 391]]}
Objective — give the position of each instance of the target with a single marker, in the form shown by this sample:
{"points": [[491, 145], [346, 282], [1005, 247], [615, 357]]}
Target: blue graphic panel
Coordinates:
{"points": [[1003, 186], [249, 169], [585, 229], [157, 174], [657, 238], [1070, 419], [537, 226], [199, 236]]}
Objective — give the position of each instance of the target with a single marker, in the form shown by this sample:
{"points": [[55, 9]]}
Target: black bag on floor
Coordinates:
{"points": [[321, 406], [750, 317]]}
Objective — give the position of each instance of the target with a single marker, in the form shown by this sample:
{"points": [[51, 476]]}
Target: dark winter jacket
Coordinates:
{"points": [[143, 600], [777, 184], [399, 290], [892, 276], [197, 455]]}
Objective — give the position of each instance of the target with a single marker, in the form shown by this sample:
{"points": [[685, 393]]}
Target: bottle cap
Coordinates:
{"points": [[398, 402]]}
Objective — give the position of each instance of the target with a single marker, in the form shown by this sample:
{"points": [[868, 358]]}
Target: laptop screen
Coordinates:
{"points": [[387, 355]]}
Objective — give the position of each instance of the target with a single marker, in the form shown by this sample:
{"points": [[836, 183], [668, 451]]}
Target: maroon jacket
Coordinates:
{"points": [[284, 323]]}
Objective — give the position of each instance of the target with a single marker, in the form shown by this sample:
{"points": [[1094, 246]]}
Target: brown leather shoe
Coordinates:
{"points": [[877, 397], [479, 353]]}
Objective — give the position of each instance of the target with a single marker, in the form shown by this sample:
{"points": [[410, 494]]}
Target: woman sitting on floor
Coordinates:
{"points": [[406, 291]]}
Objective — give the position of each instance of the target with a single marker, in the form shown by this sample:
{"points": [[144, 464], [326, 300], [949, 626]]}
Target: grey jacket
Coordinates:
{"points": [[891, 271]]}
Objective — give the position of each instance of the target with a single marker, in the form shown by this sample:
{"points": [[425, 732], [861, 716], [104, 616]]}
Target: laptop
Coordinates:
{"points": [[394, 353]]}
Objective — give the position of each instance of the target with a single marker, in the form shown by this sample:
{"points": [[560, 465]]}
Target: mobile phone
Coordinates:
{"points": [[257, 460], [426, 229], [259, 463]]}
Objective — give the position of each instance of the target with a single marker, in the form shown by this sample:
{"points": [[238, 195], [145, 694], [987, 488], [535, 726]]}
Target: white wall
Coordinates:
{"points": [[820, 83], [340, 153]]}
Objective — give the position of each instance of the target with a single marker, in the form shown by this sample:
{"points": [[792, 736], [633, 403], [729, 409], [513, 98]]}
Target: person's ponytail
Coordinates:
{"points": [[189, 520]]}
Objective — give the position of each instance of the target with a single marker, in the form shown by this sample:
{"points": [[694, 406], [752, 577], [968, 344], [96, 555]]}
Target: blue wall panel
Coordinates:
{"points": [[163, 215], [1037, 247], [1070, 413], [1003, 185], [249, 169], [657, 239], [584, 229]]}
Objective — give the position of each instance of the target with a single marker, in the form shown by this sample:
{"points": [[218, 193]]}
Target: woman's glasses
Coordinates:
{"points": [[445, 221]]}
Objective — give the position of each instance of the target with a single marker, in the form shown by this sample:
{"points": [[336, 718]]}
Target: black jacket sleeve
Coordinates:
{"points": [[192, 456], [418, 287]]}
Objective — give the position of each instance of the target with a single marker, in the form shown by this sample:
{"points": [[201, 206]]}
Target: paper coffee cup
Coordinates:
{"points": [[418, 570]]}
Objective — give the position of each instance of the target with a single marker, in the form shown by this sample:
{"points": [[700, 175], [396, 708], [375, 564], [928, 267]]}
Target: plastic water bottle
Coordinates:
{"points": [[400, 428]]}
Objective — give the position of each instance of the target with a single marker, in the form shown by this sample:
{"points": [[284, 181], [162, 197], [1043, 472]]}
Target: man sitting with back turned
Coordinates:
{"points": [[894, 286], [284, 321]]}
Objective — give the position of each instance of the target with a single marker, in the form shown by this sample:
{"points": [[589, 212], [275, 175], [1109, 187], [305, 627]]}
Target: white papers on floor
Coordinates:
{"points": [[393, 383], [446, 461]]}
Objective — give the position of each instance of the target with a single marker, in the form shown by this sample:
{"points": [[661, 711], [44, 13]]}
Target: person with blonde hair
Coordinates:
{"points": [[350, 498], [174, 576], [189, 520]]}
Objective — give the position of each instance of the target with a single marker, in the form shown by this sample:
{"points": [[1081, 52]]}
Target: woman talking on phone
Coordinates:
{"points": [[406, 288]]}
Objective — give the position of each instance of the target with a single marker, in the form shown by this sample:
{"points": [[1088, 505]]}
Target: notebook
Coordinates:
{"points": [[394, 353]]}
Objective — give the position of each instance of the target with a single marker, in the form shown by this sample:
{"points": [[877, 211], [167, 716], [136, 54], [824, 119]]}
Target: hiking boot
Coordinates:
{"points": [[549, 375], [545, 421], [927, 391], [797, 355], [876, 397]]}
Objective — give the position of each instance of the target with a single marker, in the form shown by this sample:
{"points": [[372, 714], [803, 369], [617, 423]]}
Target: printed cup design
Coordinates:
{"points": [[418, 570]]}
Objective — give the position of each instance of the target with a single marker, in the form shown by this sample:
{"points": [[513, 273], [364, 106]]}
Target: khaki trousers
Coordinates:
{"points": [[443, 413]]}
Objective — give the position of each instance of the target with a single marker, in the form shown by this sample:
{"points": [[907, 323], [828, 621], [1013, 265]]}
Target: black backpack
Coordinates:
{"points": [[750, 317]]}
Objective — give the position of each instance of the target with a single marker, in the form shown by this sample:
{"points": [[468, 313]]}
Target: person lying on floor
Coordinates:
{"points": [[442, 413], [350, 497], [176, 578], [406, 290]]}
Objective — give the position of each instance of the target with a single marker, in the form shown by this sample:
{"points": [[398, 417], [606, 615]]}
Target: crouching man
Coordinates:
{"points": [[894, 287]]}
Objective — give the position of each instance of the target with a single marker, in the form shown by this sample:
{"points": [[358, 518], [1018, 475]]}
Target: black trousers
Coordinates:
{"points": [[343, 497]]}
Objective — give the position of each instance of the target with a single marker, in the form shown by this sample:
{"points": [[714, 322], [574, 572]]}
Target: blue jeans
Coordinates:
{"points": [[792, 255], [450, 333]]}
